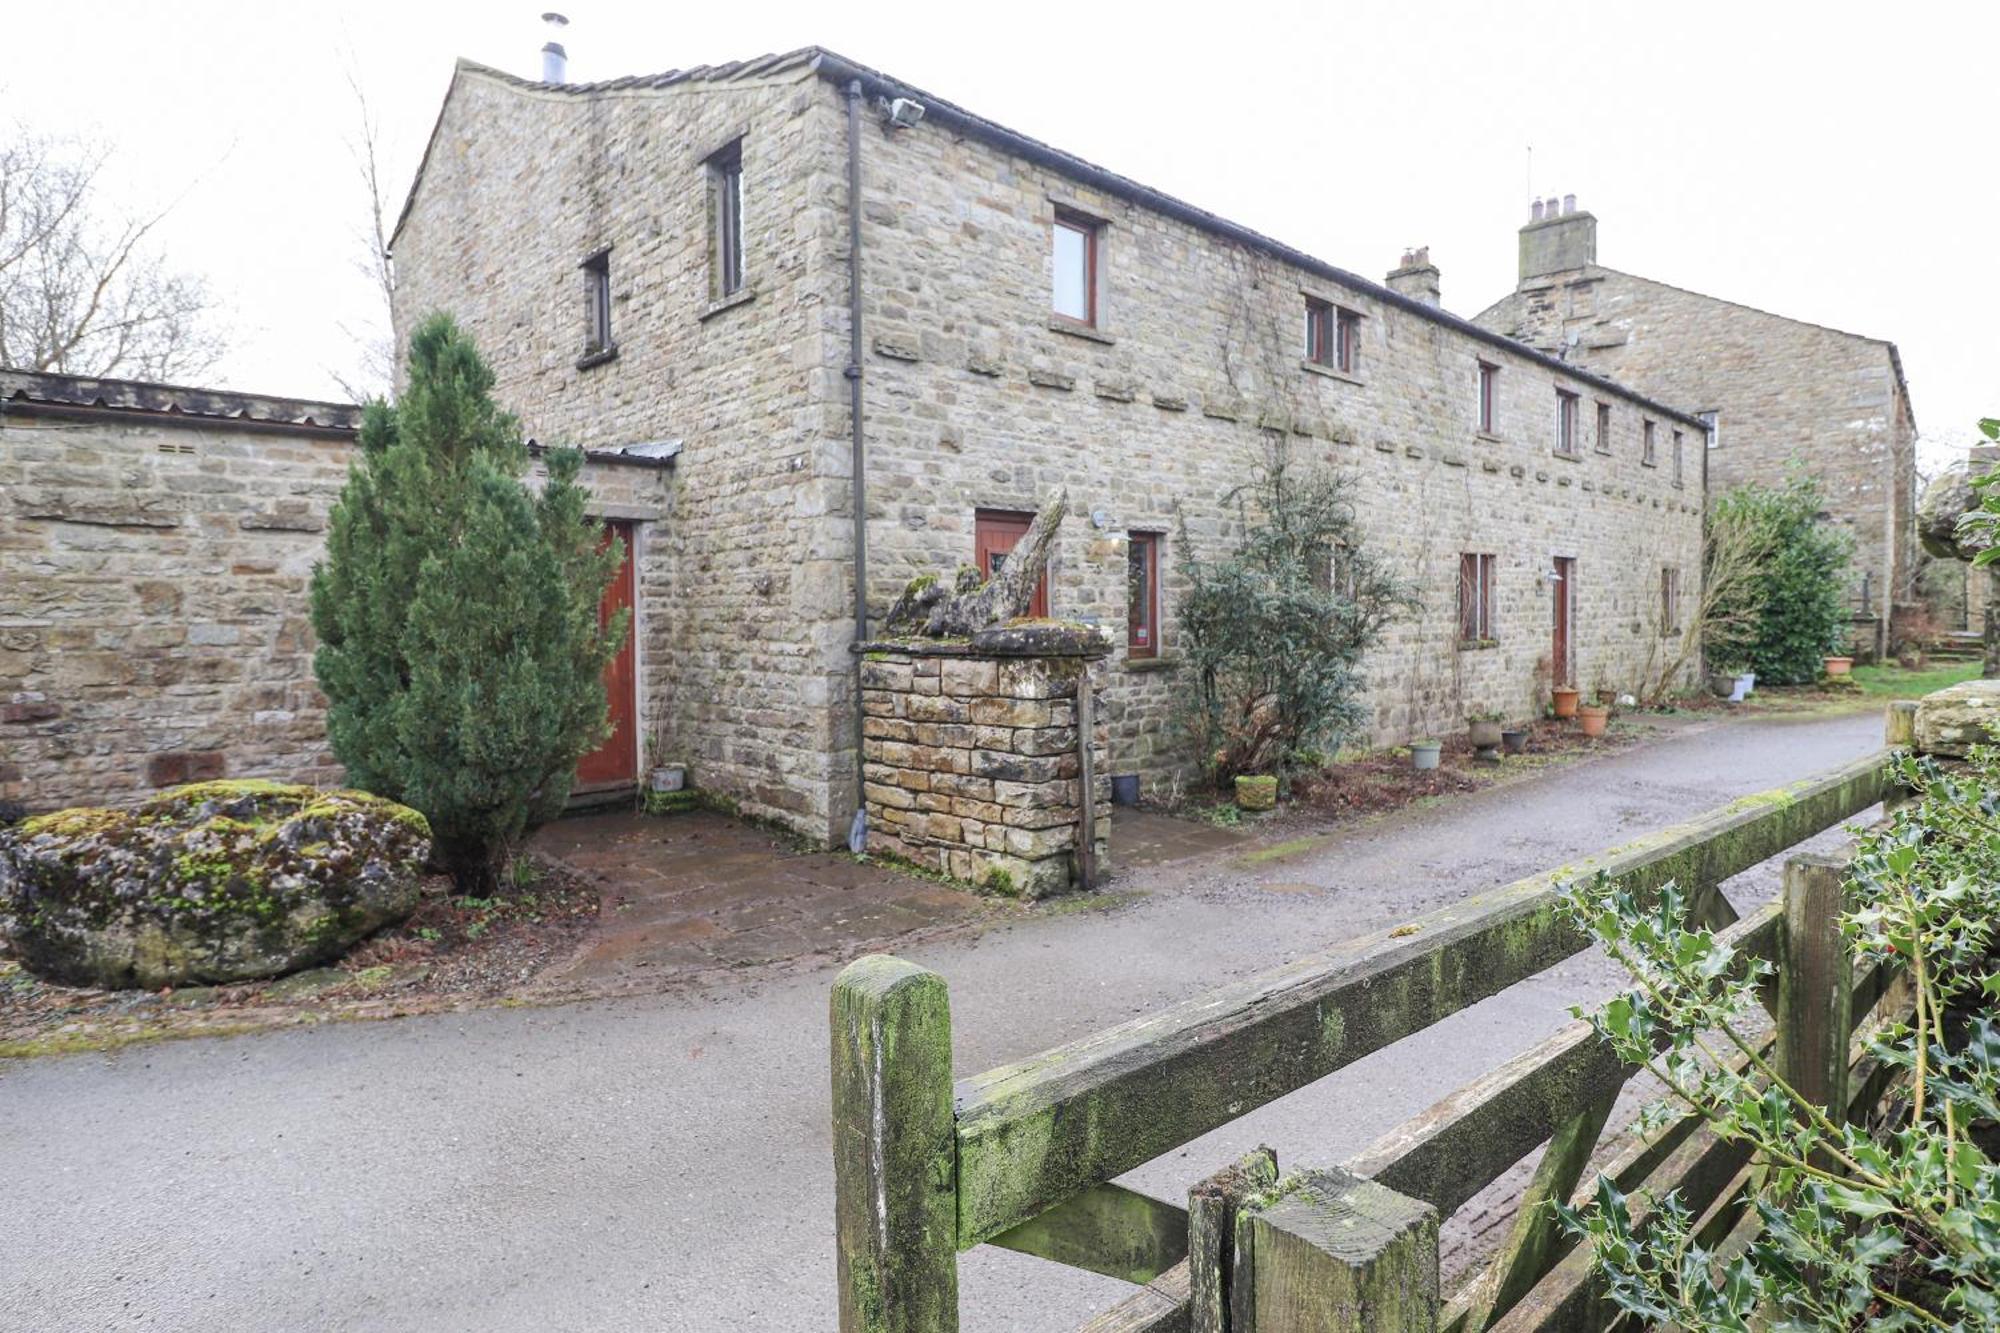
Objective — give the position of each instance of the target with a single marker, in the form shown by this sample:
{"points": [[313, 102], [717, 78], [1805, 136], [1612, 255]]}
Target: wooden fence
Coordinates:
{"points": [[1023, 1156]]}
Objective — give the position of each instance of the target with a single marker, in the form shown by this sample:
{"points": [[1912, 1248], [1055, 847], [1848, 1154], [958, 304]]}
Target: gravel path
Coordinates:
{"points": [[661, 1162]]}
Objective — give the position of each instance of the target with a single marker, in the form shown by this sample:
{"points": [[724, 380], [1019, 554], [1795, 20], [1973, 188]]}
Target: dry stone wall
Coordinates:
{"points": [[972, 765], [154, 619]]}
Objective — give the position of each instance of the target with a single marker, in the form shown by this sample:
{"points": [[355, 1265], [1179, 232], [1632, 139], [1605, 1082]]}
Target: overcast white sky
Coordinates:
{"points": [[1831, 162]]}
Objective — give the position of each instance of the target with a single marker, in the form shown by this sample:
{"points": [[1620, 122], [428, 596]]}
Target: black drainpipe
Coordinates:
{"points": [[857, 835]]}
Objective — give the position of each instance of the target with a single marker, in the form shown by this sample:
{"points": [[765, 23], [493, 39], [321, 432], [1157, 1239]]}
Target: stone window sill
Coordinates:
{"points": [[1075, 329], [1570, 457], [1647, 462], [744, 297], [1315, 368], [1477, 645], [1488, 437], [597, 358], [1160, 663]]}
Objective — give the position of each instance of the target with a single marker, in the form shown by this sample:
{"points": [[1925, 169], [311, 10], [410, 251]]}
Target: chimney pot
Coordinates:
{"points": [[1535, 211], [1569, 204]]}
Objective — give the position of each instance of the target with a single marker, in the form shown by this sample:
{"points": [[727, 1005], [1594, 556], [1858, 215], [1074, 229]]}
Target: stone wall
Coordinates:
{"points": [[1785, 391], [154, 622], [972, 765]]}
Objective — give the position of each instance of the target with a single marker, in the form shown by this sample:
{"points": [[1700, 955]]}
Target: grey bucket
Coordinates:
{"points": [[1125, 789]]}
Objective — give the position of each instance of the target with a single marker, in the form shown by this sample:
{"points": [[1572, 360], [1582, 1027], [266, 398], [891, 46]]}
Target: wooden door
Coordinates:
{"points": [[995, 532], [616, 762], [1562, 653]]}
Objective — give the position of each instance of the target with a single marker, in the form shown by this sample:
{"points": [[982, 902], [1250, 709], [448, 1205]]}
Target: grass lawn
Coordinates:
{"points": [[1892, 682]]}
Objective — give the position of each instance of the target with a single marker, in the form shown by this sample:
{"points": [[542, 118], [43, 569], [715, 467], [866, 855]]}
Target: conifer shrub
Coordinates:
{"points": [[1790, 611], [457, 614]]}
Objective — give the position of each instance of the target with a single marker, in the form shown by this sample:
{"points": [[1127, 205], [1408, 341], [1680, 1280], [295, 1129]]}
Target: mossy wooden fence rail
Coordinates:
{"points": [[1023, 1156]]}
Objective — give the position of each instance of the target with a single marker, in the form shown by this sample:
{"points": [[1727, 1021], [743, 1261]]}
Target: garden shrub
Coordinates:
{"points": [[1895, 1226], [457, 614], [1273, 630], [1783, 620]]}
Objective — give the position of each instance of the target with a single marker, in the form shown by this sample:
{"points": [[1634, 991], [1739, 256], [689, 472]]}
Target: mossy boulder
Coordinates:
{"points": [[211, 882], [1952, 720]]}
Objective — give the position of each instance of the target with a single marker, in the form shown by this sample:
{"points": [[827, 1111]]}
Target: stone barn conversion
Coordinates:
{"points": [[730, 284], [1776, 392], [680, 260]]}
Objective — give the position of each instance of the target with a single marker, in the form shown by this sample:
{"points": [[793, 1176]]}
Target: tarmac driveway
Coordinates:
{"points": [[662, 1161]]}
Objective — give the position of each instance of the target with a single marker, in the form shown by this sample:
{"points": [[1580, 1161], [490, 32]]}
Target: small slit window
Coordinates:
{"points": [[725, 190], [1489, 397], [1142, 591], [1074, 252], [1566, 427], [1670, 600], [1680, 459], [1346, 341], [1647, 449], [597, 303], [1475, 597], [1604, 428]]}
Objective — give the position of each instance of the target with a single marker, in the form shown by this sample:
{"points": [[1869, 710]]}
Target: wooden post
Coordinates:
{"points": [[1328, 1252], [1899, 732], [1086, 829], [895, 1186], [1815, 984], [1212, 1206]]}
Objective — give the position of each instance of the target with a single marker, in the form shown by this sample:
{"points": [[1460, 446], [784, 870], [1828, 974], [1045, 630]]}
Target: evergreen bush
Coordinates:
{"points": [[457, 614], [1785, 617]]}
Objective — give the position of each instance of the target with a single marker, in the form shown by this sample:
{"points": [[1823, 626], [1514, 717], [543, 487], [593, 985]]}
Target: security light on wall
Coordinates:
{"points": [[902, 113]]}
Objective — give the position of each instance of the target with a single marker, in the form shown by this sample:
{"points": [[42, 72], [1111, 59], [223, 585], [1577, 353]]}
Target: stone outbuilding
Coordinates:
{"points": [[1773, 391], [794, 265]]}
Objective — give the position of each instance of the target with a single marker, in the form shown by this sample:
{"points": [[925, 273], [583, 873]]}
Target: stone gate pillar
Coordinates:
{"points": [[973, 758]]}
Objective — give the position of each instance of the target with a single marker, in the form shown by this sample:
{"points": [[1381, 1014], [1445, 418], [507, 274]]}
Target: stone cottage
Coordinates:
{"points": [[679, 260], [1773, 391]]}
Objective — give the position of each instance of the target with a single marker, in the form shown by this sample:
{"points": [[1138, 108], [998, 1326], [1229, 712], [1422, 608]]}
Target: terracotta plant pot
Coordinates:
{"points": [[1484, 735], [1839, 666], [1256, 792], [1565, 697], [1514, 740], [1424, 754], [1590, 719]]}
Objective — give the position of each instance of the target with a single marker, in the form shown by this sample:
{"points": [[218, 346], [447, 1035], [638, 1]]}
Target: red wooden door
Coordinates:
{"points": [[616, 762], [994, 533], [1562, 653]]}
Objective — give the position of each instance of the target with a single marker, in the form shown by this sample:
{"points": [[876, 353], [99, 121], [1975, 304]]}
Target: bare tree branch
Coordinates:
{"points": [[84, 294]]}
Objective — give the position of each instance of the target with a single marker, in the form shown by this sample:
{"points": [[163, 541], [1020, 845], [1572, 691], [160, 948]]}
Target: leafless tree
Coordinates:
{"points": [[84, 291], [373, 373]]}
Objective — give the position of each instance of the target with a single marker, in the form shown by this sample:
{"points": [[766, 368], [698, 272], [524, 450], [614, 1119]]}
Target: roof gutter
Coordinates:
{"points": [[841, 70]]}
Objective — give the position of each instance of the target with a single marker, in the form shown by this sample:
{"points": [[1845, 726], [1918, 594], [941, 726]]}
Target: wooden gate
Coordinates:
{"points": [[615, 763], [1023, 1156]]}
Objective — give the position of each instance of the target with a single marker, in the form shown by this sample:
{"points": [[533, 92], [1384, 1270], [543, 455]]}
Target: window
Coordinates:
{"points": [[597, 303], [1142, 590], [1320, 332], [1475, 598], [1347, 341], [1489, 396], [1075, 256], [725, 216], [1713, 420], [1647, 457], [1604, 428], [1670, 600], [1565, 422], [994, 533], [1680, 460]]}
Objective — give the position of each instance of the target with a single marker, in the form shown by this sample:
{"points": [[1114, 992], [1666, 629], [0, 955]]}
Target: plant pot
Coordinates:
{"points": [[1514, 740], [1484, 735], [1125, 789], [1256, 792], [1606, 698], [1746, 685], [667, 777], [1837, 667], [1424, 754], [1565, 697], [1591, 718], [1722, 684]]}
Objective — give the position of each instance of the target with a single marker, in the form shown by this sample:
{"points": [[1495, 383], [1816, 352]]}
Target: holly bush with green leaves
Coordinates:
{"points": [[1889, 1226]]}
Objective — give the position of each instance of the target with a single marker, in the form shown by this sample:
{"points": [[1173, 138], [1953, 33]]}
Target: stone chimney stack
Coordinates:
{"points": [[1416, 277], [1557, 239]]}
